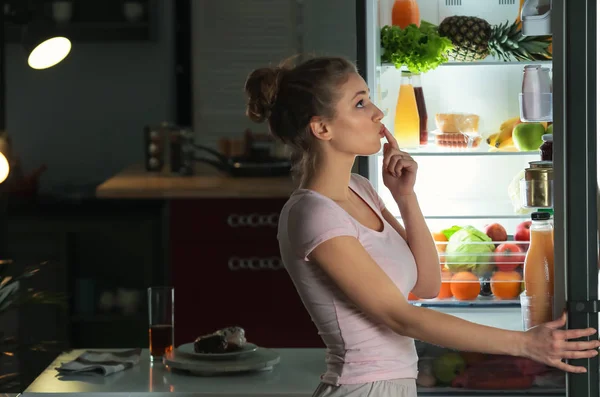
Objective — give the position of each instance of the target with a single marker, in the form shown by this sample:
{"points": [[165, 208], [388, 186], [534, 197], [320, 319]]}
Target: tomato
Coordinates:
{"points": [[508, 257]]}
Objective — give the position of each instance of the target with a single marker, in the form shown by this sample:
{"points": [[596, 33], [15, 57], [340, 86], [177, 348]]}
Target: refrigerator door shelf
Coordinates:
{"points": [[537, 16]]}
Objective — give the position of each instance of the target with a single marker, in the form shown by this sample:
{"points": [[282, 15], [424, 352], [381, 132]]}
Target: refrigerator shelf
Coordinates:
{"points": [[481, 302], [482, 150], [384, 67]]}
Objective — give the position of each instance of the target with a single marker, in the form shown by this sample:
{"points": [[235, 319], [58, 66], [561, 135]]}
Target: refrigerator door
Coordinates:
{"points": [[575, 166]]}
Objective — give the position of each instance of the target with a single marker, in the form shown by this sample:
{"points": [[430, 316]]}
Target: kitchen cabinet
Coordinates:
{"points": [[226, 269]]}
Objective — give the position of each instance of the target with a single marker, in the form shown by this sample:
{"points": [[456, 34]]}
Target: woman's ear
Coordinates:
{"points": [[320, 129]]}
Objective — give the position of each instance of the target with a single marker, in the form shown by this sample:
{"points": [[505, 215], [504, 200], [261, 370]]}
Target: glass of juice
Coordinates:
{"points": [[161, 312]]}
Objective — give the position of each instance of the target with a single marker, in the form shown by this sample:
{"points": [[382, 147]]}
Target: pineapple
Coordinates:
{"points": [[474, 39]]}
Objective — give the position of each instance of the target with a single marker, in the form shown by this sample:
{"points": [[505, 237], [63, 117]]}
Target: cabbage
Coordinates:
{"points": [[467, 251]]}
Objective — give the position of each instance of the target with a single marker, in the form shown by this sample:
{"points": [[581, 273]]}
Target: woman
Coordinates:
{"points": [[351, 261]]}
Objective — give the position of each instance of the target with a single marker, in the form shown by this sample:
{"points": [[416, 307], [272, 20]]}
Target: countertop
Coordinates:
{"points": [[136, 183], [296, 375]]}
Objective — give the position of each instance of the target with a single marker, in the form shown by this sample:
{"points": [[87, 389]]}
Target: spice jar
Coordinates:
{"points": [[546, 147]]}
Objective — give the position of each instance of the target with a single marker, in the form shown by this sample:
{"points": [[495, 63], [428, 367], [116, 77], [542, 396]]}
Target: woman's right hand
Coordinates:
{"points": [[548, 344]]}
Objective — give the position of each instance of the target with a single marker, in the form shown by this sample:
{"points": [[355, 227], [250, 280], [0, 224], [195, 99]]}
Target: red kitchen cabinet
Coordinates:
{"points": [[230, 273]]}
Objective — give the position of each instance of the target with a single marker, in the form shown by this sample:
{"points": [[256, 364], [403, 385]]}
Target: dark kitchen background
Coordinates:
{"points": [[84, 197]]}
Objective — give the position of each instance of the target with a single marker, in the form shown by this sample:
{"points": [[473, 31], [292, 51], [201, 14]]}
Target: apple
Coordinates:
{"points": [[448, 366], [522, 232], [528, 136], [508, 257], [496, 232]]}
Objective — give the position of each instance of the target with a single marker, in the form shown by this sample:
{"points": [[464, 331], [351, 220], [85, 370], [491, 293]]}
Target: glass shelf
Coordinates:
{"points": [[481, 302], [483, 150], [492, 62]]}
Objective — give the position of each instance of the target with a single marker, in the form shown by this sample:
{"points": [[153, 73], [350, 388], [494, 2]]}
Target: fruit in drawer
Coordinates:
{"points": [[441, 248], [469, 249], [445, 289], [448, 366], [506, 285], [522, 233], [508, 257], [412, 297], [528, 136], [465, 286], [496, 232]]}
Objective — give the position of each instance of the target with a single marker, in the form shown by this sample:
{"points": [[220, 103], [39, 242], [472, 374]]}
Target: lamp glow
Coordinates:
{"points": [[49, 53], [4, 168]]}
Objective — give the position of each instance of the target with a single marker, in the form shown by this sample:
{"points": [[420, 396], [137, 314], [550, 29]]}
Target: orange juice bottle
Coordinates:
{"points": [[538, 270], [407, 121], [406, 12]]}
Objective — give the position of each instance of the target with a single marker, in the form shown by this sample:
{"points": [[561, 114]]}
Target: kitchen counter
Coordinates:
{"points": [[136, 183], [296, 375]]}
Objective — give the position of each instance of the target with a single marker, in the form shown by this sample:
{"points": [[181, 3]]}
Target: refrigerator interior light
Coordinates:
{"points": [[536, 16]]}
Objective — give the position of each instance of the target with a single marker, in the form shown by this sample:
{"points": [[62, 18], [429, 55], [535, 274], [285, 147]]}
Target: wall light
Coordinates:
{"points": [[4, 168]]}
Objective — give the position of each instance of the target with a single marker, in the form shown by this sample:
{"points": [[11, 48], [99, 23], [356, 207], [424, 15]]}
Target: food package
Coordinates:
{"points": [[457, 130], [455, 123]]}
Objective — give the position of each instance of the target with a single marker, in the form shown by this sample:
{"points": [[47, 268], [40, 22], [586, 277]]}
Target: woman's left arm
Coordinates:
{"points": [[420, 241]]}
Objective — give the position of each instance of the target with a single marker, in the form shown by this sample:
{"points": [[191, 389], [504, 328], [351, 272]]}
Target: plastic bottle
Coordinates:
{"points": [[538, 272]]}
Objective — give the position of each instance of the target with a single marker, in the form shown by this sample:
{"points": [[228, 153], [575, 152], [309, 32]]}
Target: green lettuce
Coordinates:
{"points": [[420, 49], [469, 249]]}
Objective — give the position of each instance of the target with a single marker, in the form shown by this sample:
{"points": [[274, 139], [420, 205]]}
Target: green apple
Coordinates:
{"points": [[448, 366], [550, 129], [528, 136]]}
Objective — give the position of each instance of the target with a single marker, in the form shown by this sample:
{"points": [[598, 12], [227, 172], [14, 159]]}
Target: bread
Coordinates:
{"points": [[457, 122]]}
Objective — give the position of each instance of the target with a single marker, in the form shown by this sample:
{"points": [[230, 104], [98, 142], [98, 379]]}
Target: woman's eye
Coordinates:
{"points": [[360, 103]]}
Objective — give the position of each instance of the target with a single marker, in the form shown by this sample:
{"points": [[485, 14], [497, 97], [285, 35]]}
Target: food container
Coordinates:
{"points": [[537, 188], [546, 148]]}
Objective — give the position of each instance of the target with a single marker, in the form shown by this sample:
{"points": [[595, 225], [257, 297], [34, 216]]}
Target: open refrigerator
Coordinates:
{"points": [[477, 185]]}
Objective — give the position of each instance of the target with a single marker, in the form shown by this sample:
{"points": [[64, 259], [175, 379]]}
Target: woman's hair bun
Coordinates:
{"points": [[262, 86]]}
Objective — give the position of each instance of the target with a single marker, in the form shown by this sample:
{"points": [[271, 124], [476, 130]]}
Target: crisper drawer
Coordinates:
{"points": [[225, 219], [244, 285]]}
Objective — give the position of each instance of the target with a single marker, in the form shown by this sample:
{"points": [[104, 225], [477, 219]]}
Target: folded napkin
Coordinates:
{"points": [[101, 362]]}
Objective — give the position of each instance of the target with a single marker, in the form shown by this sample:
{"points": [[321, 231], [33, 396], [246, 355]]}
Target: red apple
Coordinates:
{"points": [[508, 257], [496, 232], [522, 232]]}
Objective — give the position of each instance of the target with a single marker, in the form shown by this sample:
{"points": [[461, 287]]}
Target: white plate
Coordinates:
{"points": [[188, 349]]}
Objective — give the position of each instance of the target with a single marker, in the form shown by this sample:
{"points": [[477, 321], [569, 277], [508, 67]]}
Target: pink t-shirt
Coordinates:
{"points": [[359, 349]]}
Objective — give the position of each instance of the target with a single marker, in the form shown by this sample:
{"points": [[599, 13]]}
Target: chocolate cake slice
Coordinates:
{"points": [[221, 341]]}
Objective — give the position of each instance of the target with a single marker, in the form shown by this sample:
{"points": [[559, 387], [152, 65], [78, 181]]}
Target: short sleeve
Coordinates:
{"points": [[368, 189], [313, 220]]}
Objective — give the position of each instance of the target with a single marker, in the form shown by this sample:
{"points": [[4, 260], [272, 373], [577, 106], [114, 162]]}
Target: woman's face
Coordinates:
{"points": [[356, 128]]}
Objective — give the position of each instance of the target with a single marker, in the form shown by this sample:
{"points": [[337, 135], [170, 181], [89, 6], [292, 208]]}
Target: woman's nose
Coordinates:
{"points": [[378, 114]]}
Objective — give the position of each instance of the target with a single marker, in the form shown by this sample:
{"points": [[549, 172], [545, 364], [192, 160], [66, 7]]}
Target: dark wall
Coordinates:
{"points": [[84, 117]]}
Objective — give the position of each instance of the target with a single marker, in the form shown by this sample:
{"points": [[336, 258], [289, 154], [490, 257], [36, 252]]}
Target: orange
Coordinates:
{"points": [[445, 290], [465, 286], [441, 248], [412, 297], [506, 285]]}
